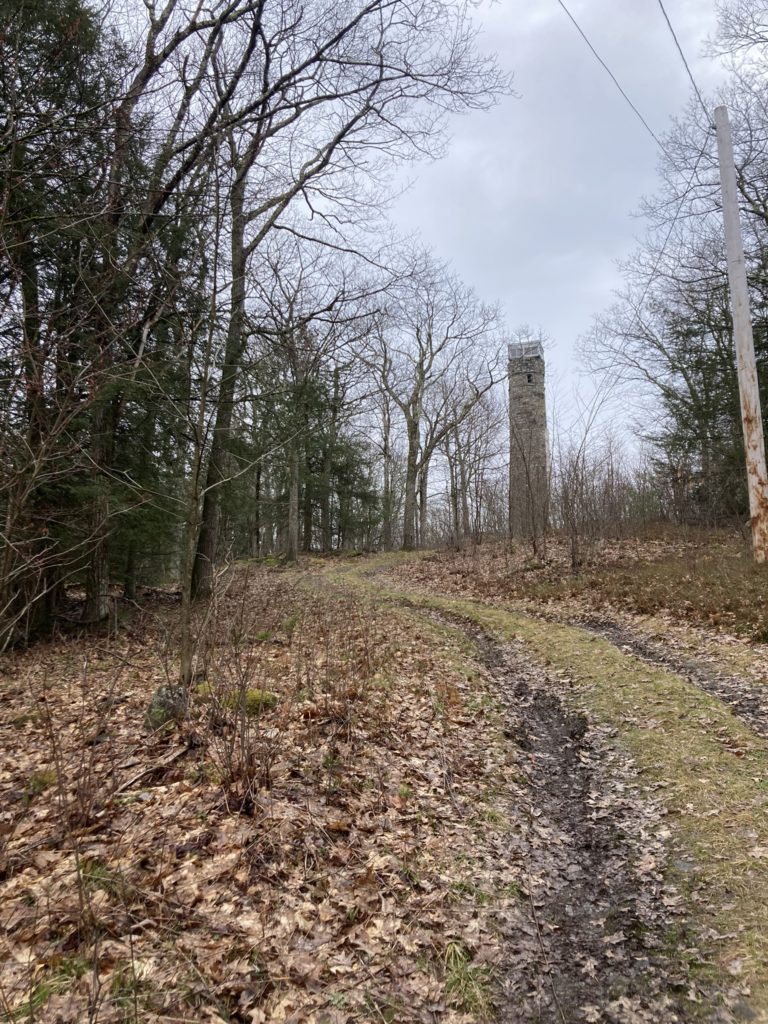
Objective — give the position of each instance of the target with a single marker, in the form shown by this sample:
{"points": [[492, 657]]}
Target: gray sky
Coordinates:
{"points": [[535, 201]]}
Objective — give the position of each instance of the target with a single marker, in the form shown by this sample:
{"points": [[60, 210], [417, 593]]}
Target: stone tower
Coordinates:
{"points": [[528, 443]]}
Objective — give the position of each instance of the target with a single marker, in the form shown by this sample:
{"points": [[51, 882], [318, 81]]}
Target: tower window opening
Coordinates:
{"points": [[530, 377]]}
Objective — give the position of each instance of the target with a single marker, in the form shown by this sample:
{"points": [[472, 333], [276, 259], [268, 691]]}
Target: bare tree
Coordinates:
{"points": [[106, 163], [434, 353], [471, 451], [333, 90]]}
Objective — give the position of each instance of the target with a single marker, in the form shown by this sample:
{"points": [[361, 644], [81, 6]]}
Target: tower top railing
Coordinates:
{"points": [[525, 350]]}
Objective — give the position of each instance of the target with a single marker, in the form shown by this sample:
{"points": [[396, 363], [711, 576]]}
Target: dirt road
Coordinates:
{"points": [[645, 842]]}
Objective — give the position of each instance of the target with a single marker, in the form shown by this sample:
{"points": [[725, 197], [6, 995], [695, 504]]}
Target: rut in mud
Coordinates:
{"points": [[747, 700], [590, 943]]}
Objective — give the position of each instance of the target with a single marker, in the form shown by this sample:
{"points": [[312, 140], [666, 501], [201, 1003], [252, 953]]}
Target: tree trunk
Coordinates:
{"points": [[423, 498], [256, 539], [326, 522], [327, 481], [202, 576], [387, 498], [453, 496], [267, 515], [187, 644], [306, 533], [292, 547], [129, 576], [411, 472], [466, 525], [96, 607]]}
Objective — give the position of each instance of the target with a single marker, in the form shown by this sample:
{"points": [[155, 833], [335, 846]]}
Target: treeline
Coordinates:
{"points": [[211, 344], [669, 335]]}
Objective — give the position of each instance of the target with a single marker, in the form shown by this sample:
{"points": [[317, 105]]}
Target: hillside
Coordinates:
{"points": [[396, 794]]}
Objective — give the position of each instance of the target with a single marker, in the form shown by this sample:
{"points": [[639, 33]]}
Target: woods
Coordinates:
{"points": [[353, 670], [215, 346], [190, 275], [669, 334]]}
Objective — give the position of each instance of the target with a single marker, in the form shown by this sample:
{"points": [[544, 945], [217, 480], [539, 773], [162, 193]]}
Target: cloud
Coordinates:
{"points": [[534, 202]]}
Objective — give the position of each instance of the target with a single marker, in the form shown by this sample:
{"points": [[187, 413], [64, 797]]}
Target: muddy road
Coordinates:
{"points": [[748, 700], [595, 940]]}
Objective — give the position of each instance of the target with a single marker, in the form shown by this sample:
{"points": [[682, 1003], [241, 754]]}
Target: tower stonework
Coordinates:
{"points": [[528, 447]]}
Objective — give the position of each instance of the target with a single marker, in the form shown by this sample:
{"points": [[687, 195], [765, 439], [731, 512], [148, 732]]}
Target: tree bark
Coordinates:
{"points": [[386, 521], [466, 525], [326, 523], [256, 539], [129, 576], [202, 575], [306, 533], [326, 526], [453, 496], [423, 498], [411, 473], [292, 547], [96, 607]]}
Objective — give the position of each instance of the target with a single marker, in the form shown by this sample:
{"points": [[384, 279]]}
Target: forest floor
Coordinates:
{"points": [[448, 788]]}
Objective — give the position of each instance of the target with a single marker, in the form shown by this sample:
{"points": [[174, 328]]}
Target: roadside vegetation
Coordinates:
{"points": [[329, 829], [255, 766], [705, 765], [312, 838], [696, 576]]}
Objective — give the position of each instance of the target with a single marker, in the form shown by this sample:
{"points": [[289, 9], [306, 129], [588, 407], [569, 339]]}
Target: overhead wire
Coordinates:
{"points": [[612, 76], [676, 216], [686, 65]]}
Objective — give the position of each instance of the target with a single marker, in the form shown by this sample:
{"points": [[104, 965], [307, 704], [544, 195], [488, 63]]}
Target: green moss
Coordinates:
{"points": [[168, 706], [39, 782], [253, 701]]}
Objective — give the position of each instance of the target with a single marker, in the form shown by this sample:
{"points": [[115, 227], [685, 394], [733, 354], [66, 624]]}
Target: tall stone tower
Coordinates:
{"points": [[528, 443]]}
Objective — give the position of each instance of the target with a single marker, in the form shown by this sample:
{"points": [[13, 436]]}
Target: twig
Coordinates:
{"points": [[169, 759]]}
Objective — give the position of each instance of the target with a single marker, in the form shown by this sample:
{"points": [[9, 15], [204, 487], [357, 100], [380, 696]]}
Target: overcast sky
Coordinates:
{"points": [[536, 200]]}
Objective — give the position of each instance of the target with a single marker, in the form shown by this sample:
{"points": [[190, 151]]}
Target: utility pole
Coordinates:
{"points": [[746, 367]]}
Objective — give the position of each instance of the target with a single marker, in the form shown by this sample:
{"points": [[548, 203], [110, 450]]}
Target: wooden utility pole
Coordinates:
{"points": [[749, 394]]}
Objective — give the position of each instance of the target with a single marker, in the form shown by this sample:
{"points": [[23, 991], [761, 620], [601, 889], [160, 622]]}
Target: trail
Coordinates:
{"points": [[747, 700], [643, 832], [596, 905]]}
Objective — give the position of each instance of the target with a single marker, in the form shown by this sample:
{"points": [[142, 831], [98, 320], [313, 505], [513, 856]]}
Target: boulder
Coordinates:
{"points": [[169, 704]]}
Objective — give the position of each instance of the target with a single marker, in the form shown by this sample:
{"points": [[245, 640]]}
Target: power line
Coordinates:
{"points": [[685, 62], [613, 77]]}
